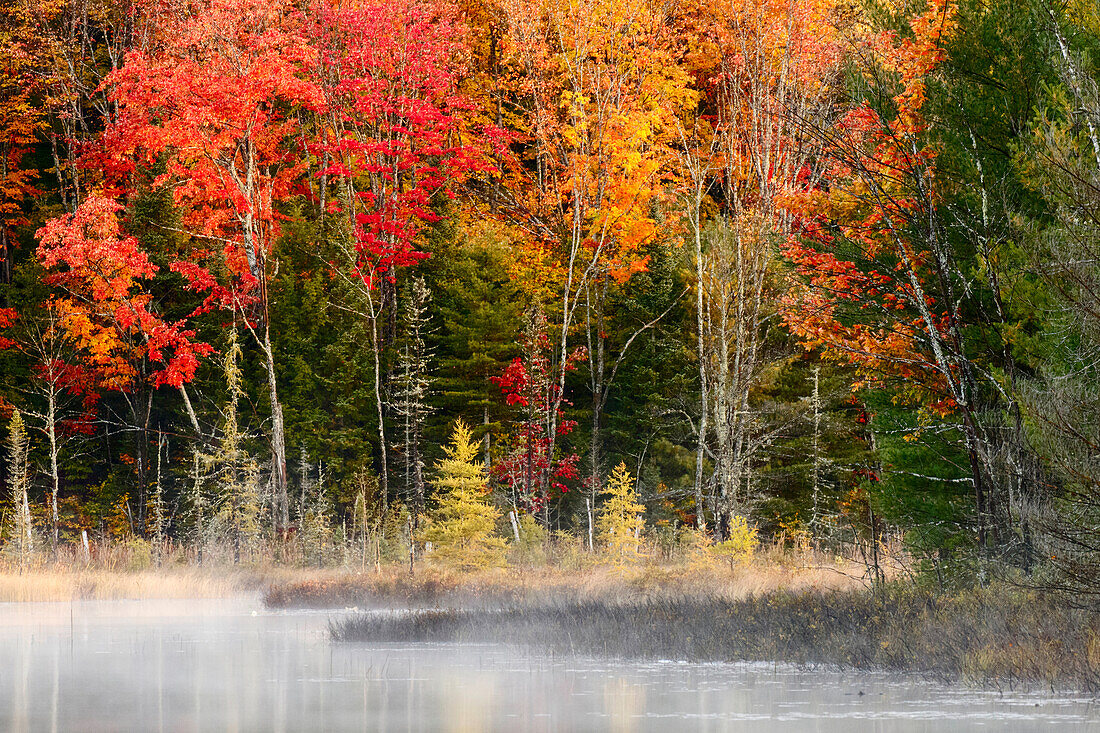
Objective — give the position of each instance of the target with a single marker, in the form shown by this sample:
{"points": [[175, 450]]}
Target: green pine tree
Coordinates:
{"points": [[237, 473]]}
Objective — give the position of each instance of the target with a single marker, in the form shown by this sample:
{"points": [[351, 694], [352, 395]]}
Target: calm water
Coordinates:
{"points": [[231, 665]]}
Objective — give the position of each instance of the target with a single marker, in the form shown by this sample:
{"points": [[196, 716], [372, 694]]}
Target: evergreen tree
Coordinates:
{"points": [[479, 310], [1060, 160], [411, 388], [236, 471], [621, 519], [22, 534], [462, 526]]}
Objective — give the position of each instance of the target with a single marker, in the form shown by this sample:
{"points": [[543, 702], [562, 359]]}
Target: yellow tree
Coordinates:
{"points": [[20, 121], [462, 526], [621, 518], [596, 93]]}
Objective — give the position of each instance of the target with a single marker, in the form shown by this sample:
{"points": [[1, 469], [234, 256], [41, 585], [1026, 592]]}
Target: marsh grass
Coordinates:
{"points": [[65, 585], [439, 586], [999, 637], [131, 571]]}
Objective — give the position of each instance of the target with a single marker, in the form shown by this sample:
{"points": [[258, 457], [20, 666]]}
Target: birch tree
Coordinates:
{"points": [[774, 67]]}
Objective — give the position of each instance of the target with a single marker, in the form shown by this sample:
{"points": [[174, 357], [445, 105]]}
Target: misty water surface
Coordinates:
{"points": [[232, 665]]}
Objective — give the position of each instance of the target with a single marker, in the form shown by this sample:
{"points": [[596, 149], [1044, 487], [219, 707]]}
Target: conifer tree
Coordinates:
{"points": [[158, 504], [621, 518], [237, 472], [462, 527], [18, 479], [477, 305], [411, 389]]}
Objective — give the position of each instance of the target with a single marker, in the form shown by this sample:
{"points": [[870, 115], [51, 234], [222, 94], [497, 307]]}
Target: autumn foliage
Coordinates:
{"points": [[881, 180], [392, 113], [103, 303], [769, 254], [218, 97], [532, 470]]}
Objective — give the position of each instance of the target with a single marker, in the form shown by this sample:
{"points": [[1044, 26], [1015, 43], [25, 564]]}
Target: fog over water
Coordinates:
{"points": [[235, 666]]}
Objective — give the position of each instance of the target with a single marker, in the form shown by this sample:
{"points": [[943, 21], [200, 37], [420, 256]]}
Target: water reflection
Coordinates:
{"points": [[232, 666], [624, 702]]}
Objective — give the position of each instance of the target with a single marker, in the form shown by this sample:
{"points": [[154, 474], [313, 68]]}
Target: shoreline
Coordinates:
{"points": [[286, 586], [62, 583], [996, 637], [435, 586], [1000, 636]]}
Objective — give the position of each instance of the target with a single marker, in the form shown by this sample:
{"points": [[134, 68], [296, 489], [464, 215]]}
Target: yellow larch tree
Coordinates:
{"points": [[621, 518], [462, 526]]}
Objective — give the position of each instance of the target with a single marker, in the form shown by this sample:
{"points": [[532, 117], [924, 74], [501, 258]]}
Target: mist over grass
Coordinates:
{"points": [[993, 636]]}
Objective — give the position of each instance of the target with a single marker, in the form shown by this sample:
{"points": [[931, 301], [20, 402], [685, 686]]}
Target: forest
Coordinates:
{"points": [[445, 276]]}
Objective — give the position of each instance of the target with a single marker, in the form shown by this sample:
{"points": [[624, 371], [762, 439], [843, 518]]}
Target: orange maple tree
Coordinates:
{"points": [[595, 92], [871, 269], [880, 288], [600, 88], [103, 305]]}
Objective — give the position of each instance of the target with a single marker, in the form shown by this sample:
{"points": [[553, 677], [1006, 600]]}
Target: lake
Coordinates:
{"points": [[236, 666]]}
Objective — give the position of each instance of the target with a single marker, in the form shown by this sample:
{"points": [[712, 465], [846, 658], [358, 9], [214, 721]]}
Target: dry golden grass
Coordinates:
{"points": [[62, 582], [59, 584], [128, 572], [432, 584]]}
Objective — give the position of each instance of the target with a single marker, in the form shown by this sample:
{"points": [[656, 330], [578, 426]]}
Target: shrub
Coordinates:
{"points": [[740, 546], [533, 541], [697, 545], [139, 554]]}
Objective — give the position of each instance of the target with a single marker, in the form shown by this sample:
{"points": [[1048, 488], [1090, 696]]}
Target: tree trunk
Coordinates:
{"points": [[51, 428], [191, 412], [278, 434], [704, 395], [384, 473]]}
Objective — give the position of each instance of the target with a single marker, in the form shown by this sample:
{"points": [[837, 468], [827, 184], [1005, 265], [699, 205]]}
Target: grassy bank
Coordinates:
{"points": [[62, 581], [65, 583], [133, 570], [437, 586], [999, 636]]}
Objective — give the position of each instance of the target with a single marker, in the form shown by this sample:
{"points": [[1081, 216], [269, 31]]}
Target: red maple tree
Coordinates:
{"points": [[534, 468], [104, 306]]}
